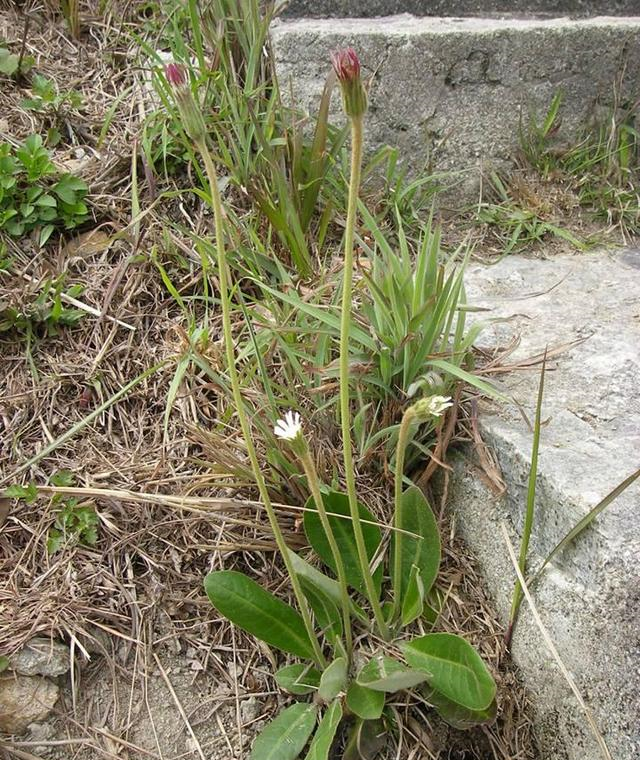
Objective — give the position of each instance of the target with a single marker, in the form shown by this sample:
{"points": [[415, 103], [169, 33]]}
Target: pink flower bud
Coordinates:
{"points": [[346, 65], [189, 109], [175, 75]]}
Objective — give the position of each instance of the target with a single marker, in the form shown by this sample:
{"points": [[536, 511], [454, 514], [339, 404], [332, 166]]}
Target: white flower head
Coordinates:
{"points": [[290, 427], [431, 406]]}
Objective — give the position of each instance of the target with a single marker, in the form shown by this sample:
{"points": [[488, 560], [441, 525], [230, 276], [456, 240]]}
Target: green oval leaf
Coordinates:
{"points": [[383, 673], [298, 679], [284, 738], [338, 503], [326, 733], [365, 703], [333, 680], [415, 516], [453, 668], [242, 601], [456, 715]]}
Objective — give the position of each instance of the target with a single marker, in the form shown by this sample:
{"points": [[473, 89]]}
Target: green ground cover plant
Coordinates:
{"points": [[34, 195]]}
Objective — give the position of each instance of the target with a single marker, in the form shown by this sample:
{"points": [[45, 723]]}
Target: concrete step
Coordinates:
{"points": [[368, 8], [590, 596], [454, 91]]}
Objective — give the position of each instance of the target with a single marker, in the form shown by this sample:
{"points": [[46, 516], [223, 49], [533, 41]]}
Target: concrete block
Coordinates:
{"points": [[450, 93], [590, 596], [368, 8]]}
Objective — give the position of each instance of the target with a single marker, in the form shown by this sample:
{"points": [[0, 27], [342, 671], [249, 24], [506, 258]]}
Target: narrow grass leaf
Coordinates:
{"points": [[530, 507], [473, 380], [74, 429], [586, 521]]}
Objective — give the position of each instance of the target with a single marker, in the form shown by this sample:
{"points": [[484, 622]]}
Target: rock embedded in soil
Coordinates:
{"points": [[250, 709], [25, 700], [41, 656], [589, 596]]}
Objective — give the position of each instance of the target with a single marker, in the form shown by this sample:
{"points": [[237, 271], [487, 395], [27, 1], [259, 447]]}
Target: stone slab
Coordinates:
{"points": [[450, 93], [368, 8], [590, 596]]}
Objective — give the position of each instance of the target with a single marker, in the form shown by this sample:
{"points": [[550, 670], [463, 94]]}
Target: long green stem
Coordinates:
{"points": [[223, 274], [314, 485], [403, 440], [345, 415]]}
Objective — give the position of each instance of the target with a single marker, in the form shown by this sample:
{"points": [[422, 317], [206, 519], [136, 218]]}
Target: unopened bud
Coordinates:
{"points": [[175, 75], [346, 64], [190, 112]]}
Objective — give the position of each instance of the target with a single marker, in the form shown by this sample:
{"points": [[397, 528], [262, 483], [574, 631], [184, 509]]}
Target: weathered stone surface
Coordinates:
{"points": [[41, 656], [367, 8], [25, 700], [590, 596], [451, 93]]}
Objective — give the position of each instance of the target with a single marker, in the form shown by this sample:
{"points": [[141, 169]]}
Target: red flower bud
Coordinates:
{"points": [[347, 67], [346, 64], [189, 109], [175, 75]]}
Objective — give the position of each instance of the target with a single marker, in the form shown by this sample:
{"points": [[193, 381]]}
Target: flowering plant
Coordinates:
{"points": [[347, 634]]}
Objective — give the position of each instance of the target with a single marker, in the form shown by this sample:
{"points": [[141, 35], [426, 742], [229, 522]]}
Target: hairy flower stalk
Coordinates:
{"points": [[425, 409], [354, 97], [290, 430], [175, 76]]}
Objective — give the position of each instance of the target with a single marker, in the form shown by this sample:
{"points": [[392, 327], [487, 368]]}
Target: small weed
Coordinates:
{"points": [[46, 314], [54, 106], [34, 196], [75, 523], [13, 65]]}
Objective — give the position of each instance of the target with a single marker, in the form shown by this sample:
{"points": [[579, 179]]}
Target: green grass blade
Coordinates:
{"points": [[531, 501]]}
